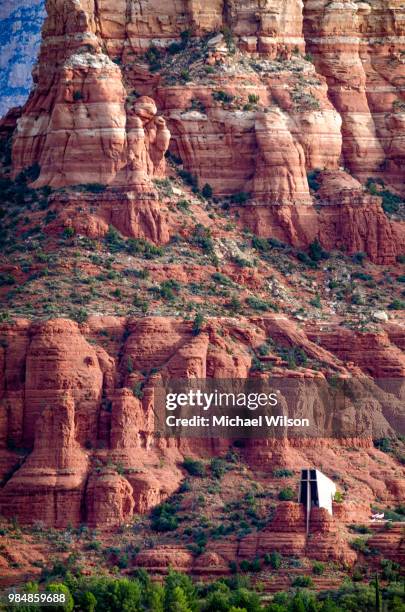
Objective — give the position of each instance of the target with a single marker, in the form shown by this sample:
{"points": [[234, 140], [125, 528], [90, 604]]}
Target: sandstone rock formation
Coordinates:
{"points": [[362, 79], [87, 437], [109, 499], [270, 113], [283, 109]]}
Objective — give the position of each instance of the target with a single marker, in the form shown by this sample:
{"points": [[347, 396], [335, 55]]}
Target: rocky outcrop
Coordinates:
{"points": [[372, 352], [87, 418], [109, 499], [357, 46], [262, 149], [282, 109], [287, 534], [270, 112], [357, 223], [49, 486], [346, 218], [158, 560]]}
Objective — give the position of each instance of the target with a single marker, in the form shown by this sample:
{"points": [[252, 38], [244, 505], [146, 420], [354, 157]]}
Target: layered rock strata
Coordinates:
{"points": [[69, 405], [248, 112]]}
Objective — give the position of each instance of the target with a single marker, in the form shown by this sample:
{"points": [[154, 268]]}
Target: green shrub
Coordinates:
{"points": [[318, 568], [257, 365], [303, 581], [207, 191], [222, 96], [140, 303], [397, 304], [234, 305], [274, 559], [164, 185], [94, 545], [258, 304], [94, 187], [61, 589], [6, 279], [117, 293], [305, 259], [255, 565], [390, 569], [360, 529], [316, 252], [287, 494], [241, 262], [183, 205], [137, 390], [153, 57], [140, 246], [362, 276], [260, 244], [316, 301], [167, 289], [185, 75], [222, 279], [80, 316], [384, 445], [277, 244], [114, 240], [390, 201], [194, 467], [360, 545], [164, 517], [283, 473], [240, 198], [202, 238], [219, 467], [313, 180], [253, 98], [264, 350], [68, 232], [198, 324], [174, 48], [229, 39], [295, 356], [359, 257], [245, 565], [189, 179]]}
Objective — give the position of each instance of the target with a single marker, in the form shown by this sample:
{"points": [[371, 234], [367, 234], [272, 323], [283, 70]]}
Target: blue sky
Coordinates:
{"points": [[20, 32]]}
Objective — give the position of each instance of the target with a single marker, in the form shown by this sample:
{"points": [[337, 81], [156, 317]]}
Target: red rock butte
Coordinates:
{"points": [[288, 88], [292, 114]]}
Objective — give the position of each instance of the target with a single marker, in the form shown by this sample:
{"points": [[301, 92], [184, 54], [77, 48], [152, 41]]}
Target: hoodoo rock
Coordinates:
{"points": [[49, 486]]}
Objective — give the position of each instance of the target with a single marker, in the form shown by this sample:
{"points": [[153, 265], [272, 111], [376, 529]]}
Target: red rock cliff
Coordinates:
{"points": [[247, 110], [69, 404]]}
